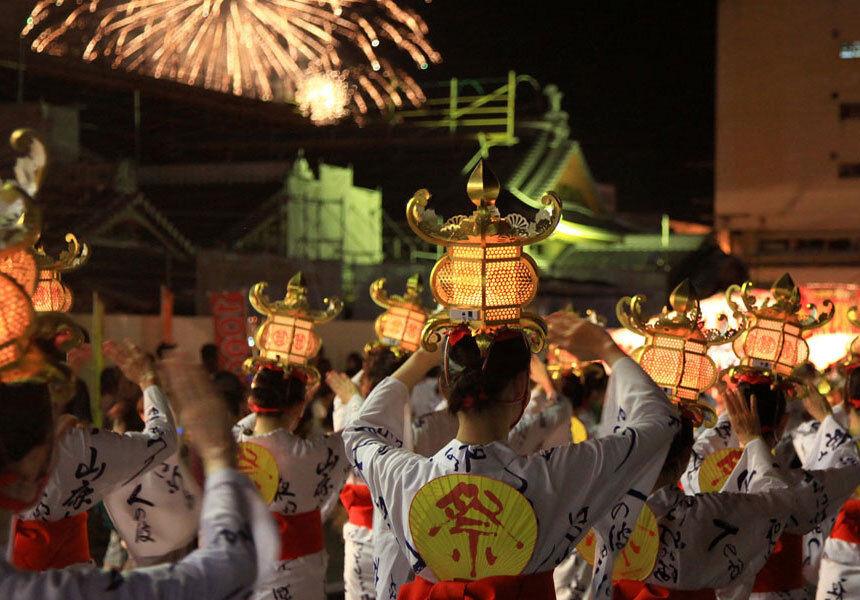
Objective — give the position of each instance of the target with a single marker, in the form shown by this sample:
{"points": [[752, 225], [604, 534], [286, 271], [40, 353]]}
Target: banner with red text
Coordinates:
{"points": [[228, 314]]}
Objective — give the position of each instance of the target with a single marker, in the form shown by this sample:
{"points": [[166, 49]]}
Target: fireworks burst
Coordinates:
{"points": [[258, 48]]}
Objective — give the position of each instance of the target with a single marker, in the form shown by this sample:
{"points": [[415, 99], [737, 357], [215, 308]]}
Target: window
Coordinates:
{"points": [[849, 170], [849, 110], [849, 49]]}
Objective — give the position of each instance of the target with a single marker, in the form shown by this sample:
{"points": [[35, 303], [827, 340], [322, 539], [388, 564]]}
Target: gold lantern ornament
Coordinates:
{"points": [[853, 351], [20, 219], [51, 293], [286, 339], [773, 341], [484, 279], [675, 351], [400, 326]]}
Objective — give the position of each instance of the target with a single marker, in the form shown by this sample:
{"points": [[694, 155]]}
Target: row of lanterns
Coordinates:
{"points": [[484, 281]]}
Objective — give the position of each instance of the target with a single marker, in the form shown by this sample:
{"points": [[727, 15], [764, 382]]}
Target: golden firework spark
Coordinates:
{"points": [[258, 48]]}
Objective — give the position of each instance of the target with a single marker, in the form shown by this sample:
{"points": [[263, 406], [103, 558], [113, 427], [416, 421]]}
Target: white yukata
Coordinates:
{"points": [[310, 472], [430, 434], [91, 463], [721, 540], [359, 571], [568, 488], [826, 449], [156, 514], [237, 540]]}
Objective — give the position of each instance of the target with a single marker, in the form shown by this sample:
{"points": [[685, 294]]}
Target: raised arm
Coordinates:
{"points": [[238, 536]]}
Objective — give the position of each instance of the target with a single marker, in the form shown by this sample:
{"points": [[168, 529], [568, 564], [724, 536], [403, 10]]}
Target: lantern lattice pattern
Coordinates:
{"points": [[16, 321], [675, 352], [20, 265], [286, 338], [774, 340], [401, 324], [485, 278], [52, 295]]}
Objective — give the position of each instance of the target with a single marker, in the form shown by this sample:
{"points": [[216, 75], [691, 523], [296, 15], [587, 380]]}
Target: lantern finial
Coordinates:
{"points": [[485, 279], [483, 186], [20, 219]]}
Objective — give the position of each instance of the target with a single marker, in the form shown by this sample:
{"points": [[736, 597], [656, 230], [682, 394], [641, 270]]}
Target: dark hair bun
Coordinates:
{"points": [[475, 387], [274, 391]]}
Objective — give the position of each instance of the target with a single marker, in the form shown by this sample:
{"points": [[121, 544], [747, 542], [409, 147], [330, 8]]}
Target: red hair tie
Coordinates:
{"points": [[854, 402], [457, 334], [255, 408], [755, 378]]}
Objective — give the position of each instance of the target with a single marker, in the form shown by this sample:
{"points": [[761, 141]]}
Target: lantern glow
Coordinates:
{"points": [[286, 338], [20, 265], [17, 321], [51, 294], [400, 326], [675, 352], [773, 340], [485, 278]]}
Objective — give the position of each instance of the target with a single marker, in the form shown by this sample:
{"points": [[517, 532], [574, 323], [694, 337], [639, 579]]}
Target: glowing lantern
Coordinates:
{"points": [[773, 340], [675, 352], [286, 338], [20, 221], [51, 294], [20, 265], [485, 278], [401, 324], [17, 321]]}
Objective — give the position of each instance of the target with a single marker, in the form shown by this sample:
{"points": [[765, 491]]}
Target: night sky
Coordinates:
{"points": [[638, 79]]}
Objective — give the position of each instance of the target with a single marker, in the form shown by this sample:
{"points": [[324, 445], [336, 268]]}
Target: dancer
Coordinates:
{"points": [[237, 537], [91, 463], [471, 472]]}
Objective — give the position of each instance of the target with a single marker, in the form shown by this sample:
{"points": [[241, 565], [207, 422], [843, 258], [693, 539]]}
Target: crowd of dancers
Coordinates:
{"points": [[469, 463]]}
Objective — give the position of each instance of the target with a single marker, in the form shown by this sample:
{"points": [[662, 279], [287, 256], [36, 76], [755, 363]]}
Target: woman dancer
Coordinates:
{"points": [[476, 515]]}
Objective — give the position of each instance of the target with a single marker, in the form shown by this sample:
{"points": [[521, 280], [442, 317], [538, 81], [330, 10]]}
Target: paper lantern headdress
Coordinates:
{"points": [[485, 279], [773, 341], [400, 326], [675, 352], [32, 345], [286, 339]]}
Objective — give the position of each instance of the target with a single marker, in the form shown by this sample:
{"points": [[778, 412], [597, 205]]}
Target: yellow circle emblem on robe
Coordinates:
{"points": [[259, 465], [638, 557], [716, 468], [468, 527], [578, 432]]}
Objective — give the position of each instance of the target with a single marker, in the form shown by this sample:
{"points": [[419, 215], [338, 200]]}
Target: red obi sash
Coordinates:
{"points": [[783, 571], [535, 586], [356, 499], [847, 526], [301, 534], [42, 545], [638, 590]]}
